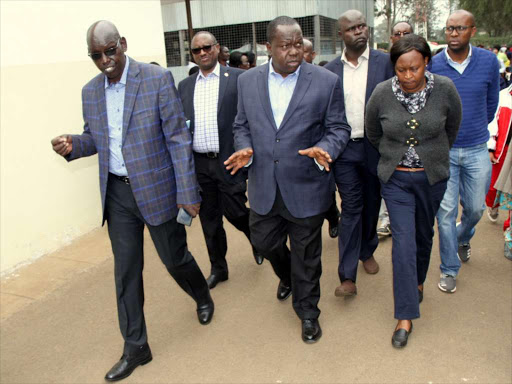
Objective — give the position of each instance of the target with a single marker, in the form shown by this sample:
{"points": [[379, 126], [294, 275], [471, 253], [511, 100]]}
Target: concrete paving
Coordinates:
{"points": [[59, 322]]}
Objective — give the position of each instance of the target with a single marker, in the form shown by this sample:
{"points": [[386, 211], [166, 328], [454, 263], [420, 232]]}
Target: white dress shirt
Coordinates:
{"points": [[280, 90], [354, 91], [114, 100], [206, 100], [459, 67]]}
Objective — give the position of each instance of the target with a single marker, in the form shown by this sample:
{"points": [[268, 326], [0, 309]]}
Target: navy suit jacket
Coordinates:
{"points": [[156, 143], [315, 117], [226, 112], [380, 69]]}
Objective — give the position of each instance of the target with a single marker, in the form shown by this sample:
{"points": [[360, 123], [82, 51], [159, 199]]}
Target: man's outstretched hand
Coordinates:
{"points": [[238, 160], [322, 157], [63, 144]]}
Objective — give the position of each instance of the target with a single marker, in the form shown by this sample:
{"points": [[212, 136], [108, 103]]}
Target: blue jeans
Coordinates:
{"points": [[470, 176]]}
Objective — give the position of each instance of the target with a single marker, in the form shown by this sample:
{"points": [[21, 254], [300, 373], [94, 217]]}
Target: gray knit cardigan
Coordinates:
{"points": [[386, 128]]}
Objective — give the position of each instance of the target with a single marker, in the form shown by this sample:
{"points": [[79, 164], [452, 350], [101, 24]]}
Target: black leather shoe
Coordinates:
{"points": [[205, 312], [400, 336], [213, 280], [283, 291], [311, 331], [420, 296], [127, 364], [258, 257]]}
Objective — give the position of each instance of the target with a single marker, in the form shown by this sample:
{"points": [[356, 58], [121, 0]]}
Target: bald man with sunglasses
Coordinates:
{"points": [[134, 121]]}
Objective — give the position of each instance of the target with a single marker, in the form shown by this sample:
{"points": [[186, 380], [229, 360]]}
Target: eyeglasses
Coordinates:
{"points": [[458, 28], [206, 48], [109, 52], [398, 34]]}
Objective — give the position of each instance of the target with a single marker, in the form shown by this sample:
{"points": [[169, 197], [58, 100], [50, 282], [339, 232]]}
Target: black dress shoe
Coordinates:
{"points": [[283, 291], [205, 312], [311, 331], [420, 296], [400, 336], [258, 257], [127, 364], [213, 280]]}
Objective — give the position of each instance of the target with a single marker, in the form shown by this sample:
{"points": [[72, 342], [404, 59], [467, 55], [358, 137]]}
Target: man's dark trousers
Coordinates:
{"points": [[360, 203], [126, 231], [219, 198], [269, 234]]}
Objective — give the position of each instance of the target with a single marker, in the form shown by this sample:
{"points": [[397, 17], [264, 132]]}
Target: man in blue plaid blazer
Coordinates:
{"points": [[135, 123]]}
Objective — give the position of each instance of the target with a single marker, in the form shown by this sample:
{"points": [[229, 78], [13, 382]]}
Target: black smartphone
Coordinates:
{"points": [[184, 217]]}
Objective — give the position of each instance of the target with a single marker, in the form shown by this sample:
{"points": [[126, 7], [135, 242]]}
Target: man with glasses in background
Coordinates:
{"points": [[475, 73], [210, 103], [134, 121]]}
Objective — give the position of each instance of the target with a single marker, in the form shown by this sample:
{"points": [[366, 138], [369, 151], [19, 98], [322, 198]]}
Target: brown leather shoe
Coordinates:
{"points": [[347, 288], [371, 266]]}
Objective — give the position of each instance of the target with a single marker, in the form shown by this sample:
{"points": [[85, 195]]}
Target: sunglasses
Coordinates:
{"points": [[206, 48], [109, 52]]}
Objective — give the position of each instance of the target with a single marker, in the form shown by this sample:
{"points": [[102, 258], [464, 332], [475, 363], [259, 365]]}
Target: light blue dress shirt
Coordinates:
{"points": [[114, 96], [280, 90], [459, 67]]}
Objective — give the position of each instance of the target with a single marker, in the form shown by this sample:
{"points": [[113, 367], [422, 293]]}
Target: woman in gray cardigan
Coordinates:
{"points": [[412, 119]]}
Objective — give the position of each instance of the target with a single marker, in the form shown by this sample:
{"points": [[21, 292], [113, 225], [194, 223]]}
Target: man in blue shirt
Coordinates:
{"points": [[289, 127], [475, 73]]}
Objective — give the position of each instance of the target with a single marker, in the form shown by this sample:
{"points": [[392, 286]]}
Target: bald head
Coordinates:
{"points": [[350, 15], [101, 31], [309, 53], [463, 13]]}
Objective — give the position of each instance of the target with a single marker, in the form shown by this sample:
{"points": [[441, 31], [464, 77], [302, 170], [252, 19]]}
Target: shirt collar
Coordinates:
{"points": [[123, 76], [216, 72], [465, 60], [272, 72], [365, 55]]}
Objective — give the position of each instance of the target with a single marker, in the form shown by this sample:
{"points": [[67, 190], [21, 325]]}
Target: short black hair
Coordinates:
{"points": [[235, 59], [400, 22], [250, 56], [410, 43], [498, 47], [280, 20]]}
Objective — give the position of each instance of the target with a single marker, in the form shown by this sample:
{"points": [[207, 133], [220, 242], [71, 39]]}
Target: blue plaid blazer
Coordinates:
{"points": [[157, 145]]}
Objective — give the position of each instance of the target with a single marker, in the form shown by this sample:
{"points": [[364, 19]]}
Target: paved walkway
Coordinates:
{"points": [[59, 323]]}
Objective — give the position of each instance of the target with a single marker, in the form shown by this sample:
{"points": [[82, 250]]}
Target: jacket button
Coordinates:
{"points": [[276, 161]]}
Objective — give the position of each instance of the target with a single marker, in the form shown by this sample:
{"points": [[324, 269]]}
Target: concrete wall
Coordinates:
{"points": [[44, 201]]}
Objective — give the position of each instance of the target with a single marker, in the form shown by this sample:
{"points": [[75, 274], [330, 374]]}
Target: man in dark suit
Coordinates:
{"points": [[360, 69], [209, 100], [134, 121], [290, 125]]}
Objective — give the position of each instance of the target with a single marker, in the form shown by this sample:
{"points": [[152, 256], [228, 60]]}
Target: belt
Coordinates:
{"points": [[210, 155], [405, 169], [124, 179]]}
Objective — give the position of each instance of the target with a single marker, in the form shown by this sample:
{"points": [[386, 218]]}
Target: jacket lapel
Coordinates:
{"points": [[301, 87], [132, 87], [264, 95], [373, 66], [102, 104], [223, 83]]}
